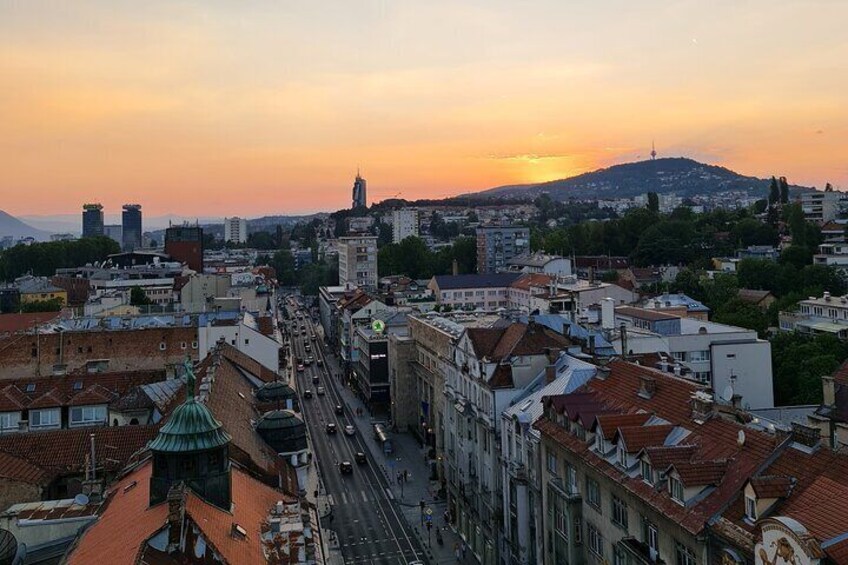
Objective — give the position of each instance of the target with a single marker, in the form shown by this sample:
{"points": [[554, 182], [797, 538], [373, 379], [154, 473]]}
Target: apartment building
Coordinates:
{"points": [[731, 361], [822, 207], [235, 230], [642, 467], [358, 261], [520, 452], [404, 224], [495, 365], [823, 315], [469, 292], [498, 245]]}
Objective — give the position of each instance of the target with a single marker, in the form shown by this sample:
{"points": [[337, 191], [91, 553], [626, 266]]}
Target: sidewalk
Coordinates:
{"points": [[408, 456]]}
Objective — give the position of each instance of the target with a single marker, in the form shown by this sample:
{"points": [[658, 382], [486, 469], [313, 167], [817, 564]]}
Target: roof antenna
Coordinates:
{"points": [[653, 151]]}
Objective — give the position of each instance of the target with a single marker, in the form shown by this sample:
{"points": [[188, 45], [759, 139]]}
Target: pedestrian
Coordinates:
{"points": [[464, 547], [457, 552]]}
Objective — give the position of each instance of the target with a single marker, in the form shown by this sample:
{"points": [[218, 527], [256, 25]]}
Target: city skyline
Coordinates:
{"points": [[244, 109]]}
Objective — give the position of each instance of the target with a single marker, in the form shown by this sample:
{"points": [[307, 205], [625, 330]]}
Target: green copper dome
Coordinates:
{"points": [[191, 427]]}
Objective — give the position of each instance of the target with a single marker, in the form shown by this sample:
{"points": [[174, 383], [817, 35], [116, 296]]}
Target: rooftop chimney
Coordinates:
{"points": [[550, 374], [828, 391], [176, 509], [805, 435], [702, 406], [624, 351], [607, 313]]}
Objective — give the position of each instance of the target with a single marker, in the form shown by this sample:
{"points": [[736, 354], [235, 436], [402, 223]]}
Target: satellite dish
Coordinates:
{"points": [[727, 394], [81, 499], [740, 438]]}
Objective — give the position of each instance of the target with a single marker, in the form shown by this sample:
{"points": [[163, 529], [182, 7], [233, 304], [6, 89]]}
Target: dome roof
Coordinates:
{"points": [[283, 431], [191, 427], [275, 390]]}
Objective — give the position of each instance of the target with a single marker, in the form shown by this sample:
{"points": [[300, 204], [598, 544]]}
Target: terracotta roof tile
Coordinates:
{"points": [[770, 486], [499, 343], [611, 422], [125, 525], [700, 473], [663, 457], [637, 438], [524, 282], [19, 469]]}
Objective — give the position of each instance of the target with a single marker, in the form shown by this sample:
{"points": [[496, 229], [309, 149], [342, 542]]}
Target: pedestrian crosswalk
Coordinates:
{"points": [[352, 497]]}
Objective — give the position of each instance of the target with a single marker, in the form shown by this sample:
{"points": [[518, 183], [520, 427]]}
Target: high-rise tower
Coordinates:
{"points": [[92, 220], [131, 232], [653, 151], [359, 192]]}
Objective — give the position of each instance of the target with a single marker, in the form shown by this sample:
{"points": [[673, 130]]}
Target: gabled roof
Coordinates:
{"points": [[639, 437], [611, 422], [753, 296], [498, 343], [771, 486], [700, 473], [524, 282]]}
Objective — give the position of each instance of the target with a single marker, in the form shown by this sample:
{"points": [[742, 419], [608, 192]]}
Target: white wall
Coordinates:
{"points": [[247, 340]]}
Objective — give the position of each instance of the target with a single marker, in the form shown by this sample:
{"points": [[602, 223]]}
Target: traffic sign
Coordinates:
{"points": [[428, 512]]}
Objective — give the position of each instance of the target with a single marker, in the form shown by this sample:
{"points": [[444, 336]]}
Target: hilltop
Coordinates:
{"points": [[685, 177], [11, 226]]}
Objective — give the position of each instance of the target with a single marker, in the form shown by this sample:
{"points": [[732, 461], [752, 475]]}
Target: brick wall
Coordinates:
{"points": [[148, 349], [14, 492]]}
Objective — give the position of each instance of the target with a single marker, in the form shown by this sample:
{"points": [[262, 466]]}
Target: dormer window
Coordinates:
{"points": [[599, 442], [675, 488], [647, 472], [622, 456], [751, 508]]}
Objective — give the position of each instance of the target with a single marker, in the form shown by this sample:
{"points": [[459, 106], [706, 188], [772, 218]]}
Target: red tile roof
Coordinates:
{"points": [[611, 422], [499, 343], [19, 469], [524, 282], [713, 441], [771, 486], [61, 452], [125, 525], [637, 438], [700, 473], [14, 323]]}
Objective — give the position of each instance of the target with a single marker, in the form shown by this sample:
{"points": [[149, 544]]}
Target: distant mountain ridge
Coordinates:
{"points": [[682, 176], [11, 226]]}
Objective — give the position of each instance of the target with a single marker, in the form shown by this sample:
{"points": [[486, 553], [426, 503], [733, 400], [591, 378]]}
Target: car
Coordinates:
{"points": [[315, 379], [314, 337], [339, 409], [359, 457], [302, 332], [307, 393], [320, 362], [345, 468], [300, 368], [331, 428], [310, 359], [349, 430], [320, 391], [308, 348]]}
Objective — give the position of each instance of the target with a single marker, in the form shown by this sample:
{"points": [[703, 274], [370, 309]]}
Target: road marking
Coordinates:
{"points": [[364, 497], [389, 493], [344, 498]]}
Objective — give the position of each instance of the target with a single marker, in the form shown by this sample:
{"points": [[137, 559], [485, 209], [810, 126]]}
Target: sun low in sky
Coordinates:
{"points": [[220, 107]]}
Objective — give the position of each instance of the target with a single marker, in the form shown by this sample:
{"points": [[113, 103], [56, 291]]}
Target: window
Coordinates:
{"points": [[571, 479], [750, 508], [622, 456], [46, 418], [647, 472], [9, 421], [685, 556], [619, 512], [78, 385], [675, 488], [182, 345], [552, 462], [596, 541], [652, 537], [30, 387], [599, 442], [194, 345], [578, 531], [697, 356], [87, 415], [593, 493]]}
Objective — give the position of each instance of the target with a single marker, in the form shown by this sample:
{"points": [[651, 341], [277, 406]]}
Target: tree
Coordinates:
{"points": [[50, 305], [828, 187], [261, 240], [798, 363], [653, 202], [784, 191], [283, 263], [138, 297], [774, 192]]}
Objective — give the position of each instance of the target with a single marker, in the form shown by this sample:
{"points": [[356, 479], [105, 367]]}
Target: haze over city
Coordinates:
{"points": [[269, 107]]}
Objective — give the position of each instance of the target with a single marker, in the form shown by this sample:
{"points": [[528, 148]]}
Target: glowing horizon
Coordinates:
{"points": [[246, 110]]}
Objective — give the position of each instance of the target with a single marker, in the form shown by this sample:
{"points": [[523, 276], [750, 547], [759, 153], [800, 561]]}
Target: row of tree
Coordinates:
{"points": [[413, 258], [42, 259]]}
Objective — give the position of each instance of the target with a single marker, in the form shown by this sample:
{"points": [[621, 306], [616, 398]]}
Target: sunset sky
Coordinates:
{"points": [[255, 107]]}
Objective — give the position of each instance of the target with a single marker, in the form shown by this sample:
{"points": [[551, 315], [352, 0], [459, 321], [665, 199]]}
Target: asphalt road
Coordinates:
{"points": [[368, 526]]}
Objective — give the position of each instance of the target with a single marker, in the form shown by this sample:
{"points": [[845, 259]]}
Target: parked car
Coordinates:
{"points": [[331, 428], [349, 430], [345, 468]]}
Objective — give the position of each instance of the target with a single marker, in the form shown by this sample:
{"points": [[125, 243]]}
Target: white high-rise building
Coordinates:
{"points": [[235, 229], [404, 224], [358, 261]]}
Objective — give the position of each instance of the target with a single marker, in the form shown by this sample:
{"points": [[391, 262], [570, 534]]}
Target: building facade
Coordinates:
{"points": [[235, 230], [92, 220], [358, 261], [404, 224], [131, 227], [498, 245], [185, 244]]}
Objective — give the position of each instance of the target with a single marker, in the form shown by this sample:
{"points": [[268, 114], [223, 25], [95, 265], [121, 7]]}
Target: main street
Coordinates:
{"points": [[368, 526]]}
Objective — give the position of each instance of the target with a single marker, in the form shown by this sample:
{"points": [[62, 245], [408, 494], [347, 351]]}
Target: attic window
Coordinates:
{"points": [[751, 508], [130, 486], [622, 456], [30, 387], [675, 488], [78, 385], [238, 531], [647, 472], [194, 345], [182, 345]]}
